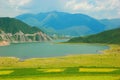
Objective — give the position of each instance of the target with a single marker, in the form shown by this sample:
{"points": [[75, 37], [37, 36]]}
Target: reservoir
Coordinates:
{"points": [[48, 49]]}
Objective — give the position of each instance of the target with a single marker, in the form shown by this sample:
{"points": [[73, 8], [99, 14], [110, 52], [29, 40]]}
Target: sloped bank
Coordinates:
{"points": [[21, 37], [4, 43]]}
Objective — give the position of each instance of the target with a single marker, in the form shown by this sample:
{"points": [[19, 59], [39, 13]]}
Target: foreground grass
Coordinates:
{"points": [[71, 73], [97, 69], [67, 78], [6, 72]]}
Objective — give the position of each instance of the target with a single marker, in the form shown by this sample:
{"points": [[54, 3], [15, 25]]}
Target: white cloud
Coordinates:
{"points": [[98, 5], [94, 6], [12, 8], [83, 5], [18, 3], [75, 5]]}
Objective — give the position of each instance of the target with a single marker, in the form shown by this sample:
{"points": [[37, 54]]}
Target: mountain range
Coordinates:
{"points": [[64, 23], [14, 30], [107, 37], [111, 23]]}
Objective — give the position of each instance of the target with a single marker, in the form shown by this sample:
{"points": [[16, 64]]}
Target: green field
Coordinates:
{"points": [[68, 78], [70, 73], [105, 66]]}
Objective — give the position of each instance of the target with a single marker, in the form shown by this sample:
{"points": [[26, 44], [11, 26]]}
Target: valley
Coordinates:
{"points": [[59, 46]]}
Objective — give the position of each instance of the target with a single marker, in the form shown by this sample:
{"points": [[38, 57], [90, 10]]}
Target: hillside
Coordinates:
{"points": [[63, 23], [13, 30], [109, 37], [12, 25]]}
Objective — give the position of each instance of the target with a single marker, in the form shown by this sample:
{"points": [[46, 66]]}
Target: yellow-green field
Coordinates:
{"points": [[51, 70], [97, 69], [68, 78], [6, 72], [105, 66]]}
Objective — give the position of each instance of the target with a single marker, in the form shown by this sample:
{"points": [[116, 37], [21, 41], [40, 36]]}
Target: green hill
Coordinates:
{"points": [[109, 37], [13, 30], [12, 25]]}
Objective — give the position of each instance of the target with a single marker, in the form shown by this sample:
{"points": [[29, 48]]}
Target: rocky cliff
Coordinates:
{"points": [[22, 37]]}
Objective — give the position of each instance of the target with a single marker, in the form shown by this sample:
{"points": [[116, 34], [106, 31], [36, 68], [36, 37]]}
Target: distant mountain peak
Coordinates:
{"points": [[62, 22]]}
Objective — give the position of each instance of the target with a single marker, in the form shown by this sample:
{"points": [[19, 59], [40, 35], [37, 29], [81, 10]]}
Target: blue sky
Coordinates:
{"points": [[96, 8]]}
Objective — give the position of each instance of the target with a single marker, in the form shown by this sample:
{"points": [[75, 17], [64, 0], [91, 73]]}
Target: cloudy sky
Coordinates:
{"points": [[95, 8]]}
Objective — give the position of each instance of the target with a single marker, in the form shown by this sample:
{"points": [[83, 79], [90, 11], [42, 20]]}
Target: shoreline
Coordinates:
{"points": [[4, 43], [104, 59]]}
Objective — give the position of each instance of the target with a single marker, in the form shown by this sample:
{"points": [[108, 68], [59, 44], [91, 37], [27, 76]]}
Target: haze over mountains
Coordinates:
{"points": [[64, 23], [111, 23]]}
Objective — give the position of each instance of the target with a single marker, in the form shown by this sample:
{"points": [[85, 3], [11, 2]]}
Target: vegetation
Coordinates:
{"points": [[12, 25], [107, 37], [5, 72], [66, 78], [97, 69]]}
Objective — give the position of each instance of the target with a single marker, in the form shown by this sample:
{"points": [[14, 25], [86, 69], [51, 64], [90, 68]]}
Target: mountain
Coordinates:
{"points": [[111, 23], [109, 37], [14, 30], [63, 23], [12, 25]]}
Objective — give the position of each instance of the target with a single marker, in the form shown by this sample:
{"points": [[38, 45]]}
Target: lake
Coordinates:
{"points": [[48, 49]]}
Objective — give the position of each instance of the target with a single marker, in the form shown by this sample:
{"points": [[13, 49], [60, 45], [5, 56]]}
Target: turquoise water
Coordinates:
{"points": [[48, 49]]}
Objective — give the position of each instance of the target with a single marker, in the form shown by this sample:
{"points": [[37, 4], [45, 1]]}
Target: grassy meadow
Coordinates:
{"points": [[104, 66]]}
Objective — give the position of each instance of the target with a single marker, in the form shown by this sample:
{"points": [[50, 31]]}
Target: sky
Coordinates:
{"points": [[99, 9]]}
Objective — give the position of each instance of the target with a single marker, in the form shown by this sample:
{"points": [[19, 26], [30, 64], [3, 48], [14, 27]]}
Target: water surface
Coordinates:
{"points": [[48, 49]]}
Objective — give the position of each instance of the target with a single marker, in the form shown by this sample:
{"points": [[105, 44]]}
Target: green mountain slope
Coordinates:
{"points": [[109, 37], [12, 25]]}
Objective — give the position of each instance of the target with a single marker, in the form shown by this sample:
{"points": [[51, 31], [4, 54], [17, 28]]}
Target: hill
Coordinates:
{"points": [[12, 25], [14, 30], [63, 23], [109, 37]]}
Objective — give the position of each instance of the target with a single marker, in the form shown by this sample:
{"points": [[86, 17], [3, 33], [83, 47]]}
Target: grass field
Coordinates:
{"points": [[6, 72], [67, 78], [70, 73], [104, 66]]}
